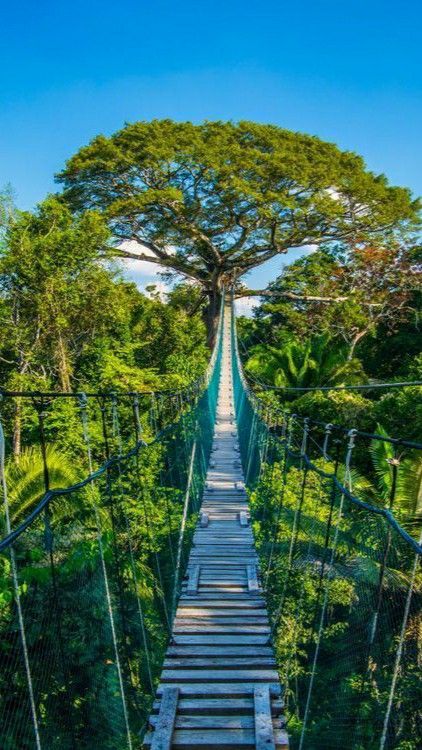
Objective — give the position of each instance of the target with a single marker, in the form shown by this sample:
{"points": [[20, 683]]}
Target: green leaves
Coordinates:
{"points": [[230, 195], [301, 364], [25, 478], [69, 319]]}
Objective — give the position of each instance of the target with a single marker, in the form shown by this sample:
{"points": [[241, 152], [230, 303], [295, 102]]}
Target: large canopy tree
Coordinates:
{"points": [[215, 200]]}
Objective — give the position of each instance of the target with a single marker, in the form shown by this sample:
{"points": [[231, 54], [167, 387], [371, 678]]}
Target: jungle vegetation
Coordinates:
{"points": [[206, 203]]}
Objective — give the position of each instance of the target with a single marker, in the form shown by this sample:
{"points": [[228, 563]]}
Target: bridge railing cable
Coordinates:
{"points": [[93, 504], [336, 516]]}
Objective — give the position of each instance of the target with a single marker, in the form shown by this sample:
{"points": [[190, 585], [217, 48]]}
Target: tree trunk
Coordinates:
{"points": [[17, 428], [354, 343], [212, 315], [63, 365]]}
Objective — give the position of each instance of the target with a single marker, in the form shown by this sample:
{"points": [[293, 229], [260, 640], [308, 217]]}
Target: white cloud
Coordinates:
{"points": [[245, 305], [142, 272]]}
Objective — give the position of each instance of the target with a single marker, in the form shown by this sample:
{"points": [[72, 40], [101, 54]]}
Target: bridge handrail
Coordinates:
{"points": [[51, 494], [261, 409]]}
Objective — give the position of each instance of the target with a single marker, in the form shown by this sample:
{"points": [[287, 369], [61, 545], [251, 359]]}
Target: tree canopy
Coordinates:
{"points": [[213, 201], [68, 318]]}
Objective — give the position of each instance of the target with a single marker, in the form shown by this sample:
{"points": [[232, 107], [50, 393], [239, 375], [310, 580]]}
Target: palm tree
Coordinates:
{"points": [[389, 467], [408, 494], [25, 478], [298, 364]]}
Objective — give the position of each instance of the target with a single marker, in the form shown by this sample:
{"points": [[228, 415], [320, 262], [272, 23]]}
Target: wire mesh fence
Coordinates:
{"points": [[99, 506], [342, 575]]}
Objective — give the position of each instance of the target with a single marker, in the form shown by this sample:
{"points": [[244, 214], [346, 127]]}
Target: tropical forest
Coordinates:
{"points": [[109, 399]]}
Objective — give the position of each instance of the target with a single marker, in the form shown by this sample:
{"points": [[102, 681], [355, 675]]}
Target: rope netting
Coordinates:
{"points": [[341, 573], [99, 508]]}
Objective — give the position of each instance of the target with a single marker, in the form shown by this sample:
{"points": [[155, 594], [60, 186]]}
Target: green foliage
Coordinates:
{"points": [[212, 201], [25, 477], [400, 411], [336, 407], [99, 556], [295, 527], [298, 364], [69, 319], [352, 317], [103, 555]]}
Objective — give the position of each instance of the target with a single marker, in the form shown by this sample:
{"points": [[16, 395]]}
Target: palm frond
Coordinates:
{"points": [[25, 478]]}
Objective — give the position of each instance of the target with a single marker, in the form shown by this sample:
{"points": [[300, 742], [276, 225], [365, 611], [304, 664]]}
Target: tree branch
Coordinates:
{"points": [[295, 297], [171, 262]]}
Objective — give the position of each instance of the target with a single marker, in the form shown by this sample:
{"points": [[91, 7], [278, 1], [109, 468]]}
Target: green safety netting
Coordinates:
{"points": [[342, 577], [90, 574]]}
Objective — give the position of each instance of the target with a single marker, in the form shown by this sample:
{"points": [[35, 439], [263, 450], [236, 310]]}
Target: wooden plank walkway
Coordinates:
{"points": [[219, 686]]}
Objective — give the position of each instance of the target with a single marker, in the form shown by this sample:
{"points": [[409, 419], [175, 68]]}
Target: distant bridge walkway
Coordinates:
{"points": [[219, 686]]}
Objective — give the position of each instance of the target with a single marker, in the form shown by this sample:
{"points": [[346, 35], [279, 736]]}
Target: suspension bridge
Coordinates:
{"points": [[133, 602]]}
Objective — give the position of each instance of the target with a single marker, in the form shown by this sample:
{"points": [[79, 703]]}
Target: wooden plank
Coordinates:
{"points": [[228, 623], [222, 651], [221, 640], [227, 689], [219, 675], [222, 618], [221, 552], [264, 731], [224, 739], [226, 581], [212, 574], [205, 597], [220, 662], [217, 544], [223, 579], [211, 614], [215, 722], [235, 534], [207, 537], [214, 603], [222, 629], [213, 706], [192, 587], [253, 585], [243, 519], [204, 520], [224, 588], [161, 739]]}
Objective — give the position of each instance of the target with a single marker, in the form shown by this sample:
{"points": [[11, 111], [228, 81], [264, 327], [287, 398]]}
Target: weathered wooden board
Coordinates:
{"points": [[221, 640], [220, 662], [224, 738], [219, 675], [216, 722], [253, 585], [242, 604], [227, 689], [264, 730], [192, 587], [243, 518], [212, 706], [222, 651], [161, 739]]}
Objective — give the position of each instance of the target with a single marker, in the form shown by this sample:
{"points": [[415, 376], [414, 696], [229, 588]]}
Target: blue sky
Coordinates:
{"points": [[348, 72]]}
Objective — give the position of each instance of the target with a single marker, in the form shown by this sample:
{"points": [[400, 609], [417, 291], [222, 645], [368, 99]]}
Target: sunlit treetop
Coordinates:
{"points": [[215, 200]]}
